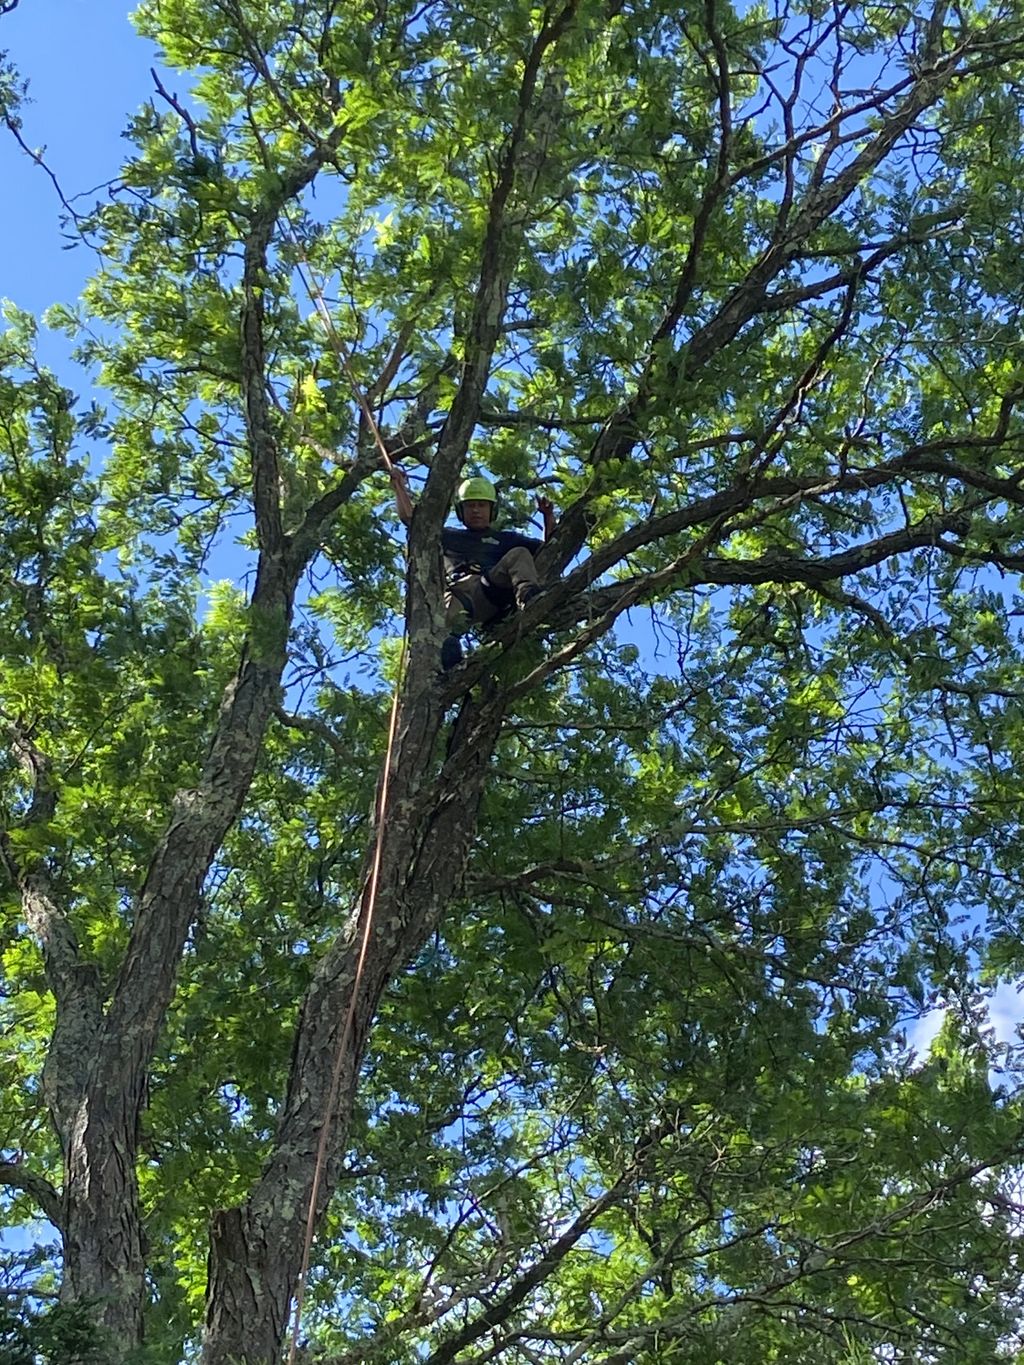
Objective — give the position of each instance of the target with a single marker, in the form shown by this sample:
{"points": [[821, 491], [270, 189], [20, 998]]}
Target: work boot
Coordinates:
{"points": [[451, 653], [527, 594]]}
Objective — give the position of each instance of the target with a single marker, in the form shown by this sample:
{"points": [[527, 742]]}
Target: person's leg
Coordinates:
{"points": [[464, 602], [458, 611], [484, 608], [516, 573]]}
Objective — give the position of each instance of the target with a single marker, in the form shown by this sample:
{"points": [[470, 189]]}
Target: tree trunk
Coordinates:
{"points": [[101, 1225], [256, 1251], [247, 1314], [103, 1260]]}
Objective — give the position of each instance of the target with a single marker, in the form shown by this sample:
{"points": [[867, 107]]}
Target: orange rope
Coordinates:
{"points": [[316, 295], [369, 902]]}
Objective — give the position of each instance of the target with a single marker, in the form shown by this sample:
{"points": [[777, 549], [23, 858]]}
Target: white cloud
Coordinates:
{"points": [[1004, 1007], [921, 1033], [1006, 1010]]}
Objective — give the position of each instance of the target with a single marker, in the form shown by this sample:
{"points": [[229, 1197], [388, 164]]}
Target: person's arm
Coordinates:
{"points": [[403, 500], [547, 510]]}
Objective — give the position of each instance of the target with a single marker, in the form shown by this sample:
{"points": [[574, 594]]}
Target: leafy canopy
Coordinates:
{"points": [[742, 289]]}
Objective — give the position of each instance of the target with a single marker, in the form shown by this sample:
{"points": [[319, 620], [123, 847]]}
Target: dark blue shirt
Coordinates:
{"points": [[467, 551]]}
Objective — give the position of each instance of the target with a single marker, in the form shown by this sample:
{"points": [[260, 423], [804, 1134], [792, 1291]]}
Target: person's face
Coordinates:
{"points": [[476, 513]]}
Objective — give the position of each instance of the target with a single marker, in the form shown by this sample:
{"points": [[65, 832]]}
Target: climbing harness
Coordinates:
{"points": [[368, 901]]}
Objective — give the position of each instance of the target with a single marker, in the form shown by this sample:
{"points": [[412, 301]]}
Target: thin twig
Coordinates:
{"points": [[182, 112]]}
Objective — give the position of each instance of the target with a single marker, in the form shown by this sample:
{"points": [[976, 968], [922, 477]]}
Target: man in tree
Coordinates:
{"points": [[487, 571], [725, 869]]}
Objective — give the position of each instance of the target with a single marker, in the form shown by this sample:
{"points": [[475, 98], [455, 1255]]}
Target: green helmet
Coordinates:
{"points": [[476, 489]]}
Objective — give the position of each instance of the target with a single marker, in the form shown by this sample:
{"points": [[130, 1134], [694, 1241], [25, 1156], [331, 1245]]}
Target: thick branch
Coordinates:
{"points": [[200, 819], [747, 491], [774, 567], [171, 891], [600, 608], [620, 435], [785, 568], [570, 601], [14, 1175], [746, 301], [307, 539], [497, 259], [103, 1245]]}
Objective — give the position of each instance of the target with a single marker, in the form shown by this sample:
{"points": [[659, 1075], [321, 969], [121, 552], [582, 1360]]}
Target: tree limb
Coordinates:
{"points": [[814, 1260], [497, 259], [425, 843], [201, 817], [620, 435], [74, 983], [15, 1176], [103, 1244], [14, 128], [777, 567]]}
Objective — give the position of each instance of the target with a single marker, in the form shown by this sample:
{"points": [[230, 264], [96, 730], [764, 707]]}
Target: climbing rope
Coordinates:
{"points": [[316, 296], [368, 902]]}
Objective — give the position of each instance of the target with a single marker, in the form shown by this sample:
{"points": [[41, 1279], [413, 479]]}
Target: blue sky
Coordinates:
{"points": [[88, 71]]}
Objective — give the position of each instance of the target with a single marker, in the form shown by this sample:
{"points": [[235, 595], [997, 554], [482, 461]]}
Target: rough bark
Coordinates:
{"points": [[105, 1058], [102, 1232], [102, 1229], [256, 1251]]}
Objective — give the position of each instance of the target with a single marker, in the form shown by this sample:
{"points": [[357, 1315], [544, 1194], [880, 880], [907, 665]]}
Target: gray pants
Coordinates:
{"points": [[466, 601]]}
